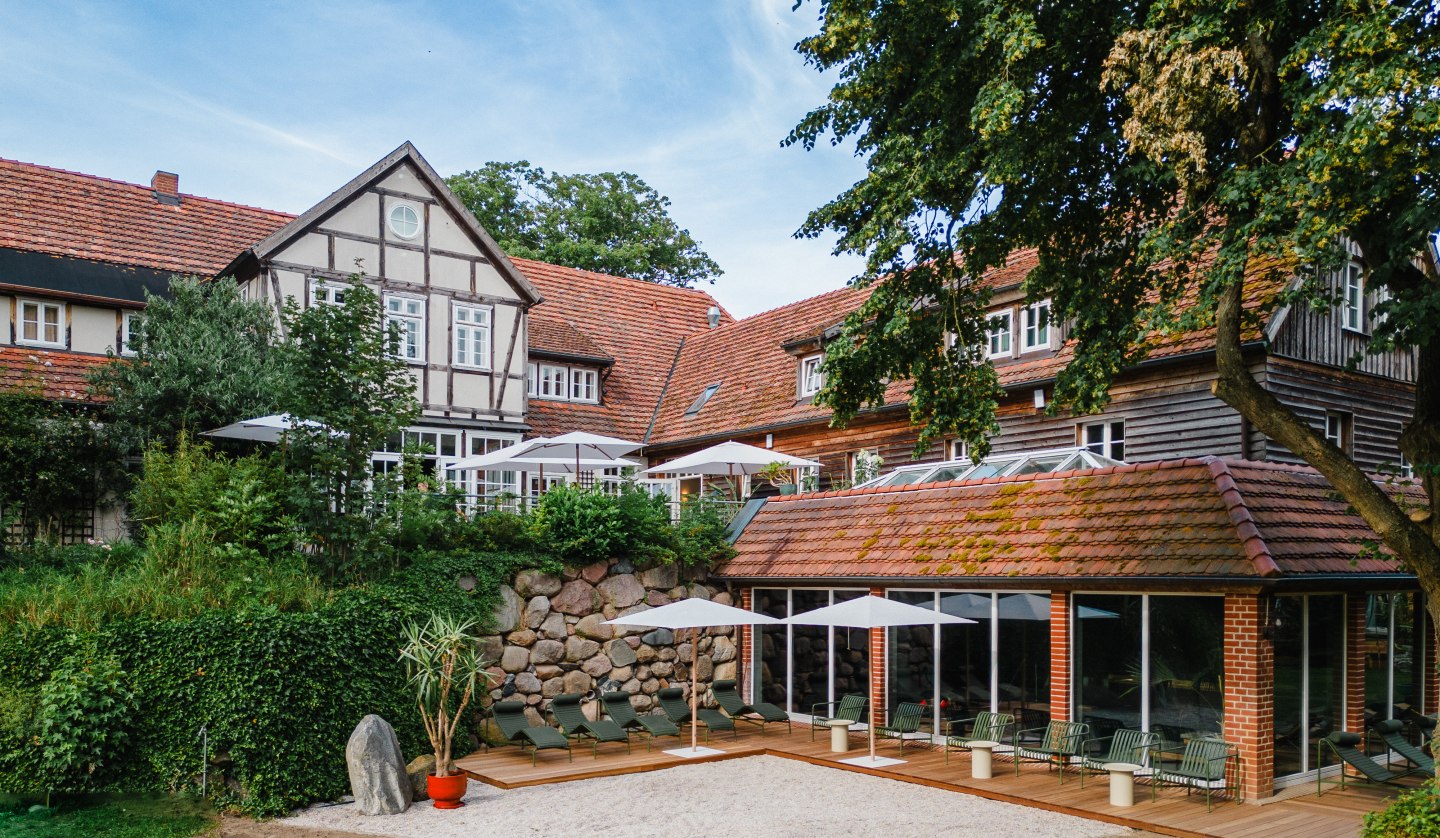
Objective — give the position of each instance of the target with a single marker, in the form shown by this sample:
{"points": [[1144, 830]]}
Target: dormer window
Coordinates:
{"points": [[1036, 332], [40, 324], [701, 399], [130, 320], [811, 376], [1352, 278], [561, 383], [998, 335]]}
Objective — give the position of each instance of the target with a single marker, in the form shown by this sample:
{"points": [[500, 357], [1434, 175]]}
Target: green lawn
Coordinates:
{"points": [[112, 817]]}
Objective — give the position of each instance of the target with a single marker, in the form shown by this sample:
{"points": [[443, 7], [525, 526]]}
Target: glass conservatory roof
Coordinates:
{"points": [[995, 465]]}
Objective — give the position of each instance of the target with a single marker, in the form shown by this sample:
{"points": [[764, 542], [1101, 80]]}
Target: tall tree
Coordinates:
{"points": [[611, 222], [1160, 156], [202, 358]]}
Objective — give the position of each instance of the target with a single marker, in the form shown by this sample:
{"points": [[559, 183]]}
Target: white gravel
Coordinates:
{"points": [[753, 797]]}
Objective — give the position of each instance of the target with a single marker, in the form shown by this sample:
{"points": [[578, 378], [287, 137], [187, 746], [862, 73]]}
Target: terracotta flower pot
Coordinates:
{"points": [[447, 791]]}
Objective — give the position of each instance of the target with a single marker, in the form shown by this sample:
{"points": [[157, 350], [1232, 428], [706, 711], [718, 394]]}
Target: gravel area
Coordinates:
{"points": [[754, 797]]}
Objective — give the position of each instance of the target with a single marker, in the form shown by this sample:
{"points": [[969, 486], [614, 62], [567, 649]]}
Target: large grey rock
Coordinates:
{"points": [[515, 659], [554, 627], [523, 637], [596, 666], [536, 610], [658, 637], [547, 651], [620, 653], [377, 768], [592, 626], [491, 648], [507, 613], [577, 597], [578, 649], [527, 684], [723, 598], [724, 670], [552, 687], [666, 576], [531, 583], [724, 650], [621, 591], [578, 682]]}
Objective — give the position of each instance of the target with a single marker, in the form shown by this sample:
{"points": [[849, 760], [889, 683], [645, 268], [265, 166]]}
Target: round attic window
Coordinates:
{"points": [[404, 221]]}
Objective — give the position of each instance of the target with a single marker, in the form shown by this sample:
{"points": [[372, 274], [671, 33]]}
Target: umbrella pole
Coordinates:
{"points": [[694, 686]]}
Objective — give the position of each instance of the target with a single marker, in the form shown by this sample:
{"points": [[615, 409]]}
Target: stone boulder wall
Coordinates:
{"points": [[551, 639]]}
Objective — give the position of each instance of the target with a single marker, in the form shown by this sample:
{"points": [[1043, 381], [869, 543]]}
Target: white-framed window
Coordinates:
{"points": [[1036, 332], [1406, 470], [1337, 429], [404, 221], [1104, 438], [1352, 278], [997, 335], [811, 378], [327, 292], [128, 321], [407, 315], [532, 379], [471, 325], [41, 324], [584, 385], [957, 449], [554, 382]]}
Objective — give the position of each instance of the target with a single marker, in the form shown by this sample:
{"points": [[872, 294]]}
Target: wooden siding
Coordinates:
{"points": [[1379, 408], [1318, 338]]}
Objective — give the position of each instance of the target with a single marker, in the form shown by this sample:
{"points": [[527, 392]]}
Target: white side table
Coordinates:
{"points": [[839, 735], [981, 754], [1122, 782]]}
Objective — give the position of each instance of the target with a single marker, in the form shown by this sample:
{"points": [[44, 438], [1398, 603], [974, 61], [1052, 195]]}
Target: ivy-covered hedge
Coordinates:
{"points": [[278, 692]]}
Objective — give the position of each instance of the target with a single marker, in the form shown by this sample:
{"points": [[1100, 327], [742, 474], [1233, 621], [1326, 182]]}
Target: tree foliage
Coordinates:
{"points": [[203, 358], [1160, 157], [612, 222]]}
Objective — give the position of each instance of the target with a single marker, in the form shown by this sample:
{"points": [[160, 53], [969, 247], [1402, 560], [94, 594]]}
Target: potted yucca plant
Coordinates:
{"points": [[443, 662]]}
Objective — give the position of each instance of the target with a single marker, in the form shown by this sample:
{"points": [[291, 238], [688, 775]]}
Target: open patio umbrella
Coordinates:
{"points": [[873, 612], [580, 445], [267, 428], [729, 458], [693, 613], [1011, 607]]}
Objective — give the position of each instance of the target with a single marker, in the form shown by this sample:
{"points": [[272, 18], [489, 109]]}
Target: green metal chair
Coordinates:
{"points": [[1125, 745], [728, 697], [985, 727], [850, 708], [618, 707], [677, 709], [1389, 733], [1208, 764], [1059, 744], [904, 722], [566, 709], [1342, 745], [510, 718]]}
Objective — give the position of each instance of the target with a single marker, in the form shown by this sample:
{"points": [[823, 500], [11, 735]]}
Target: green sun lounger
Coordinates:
{"points": [[566, 709], [1389, 733], [618, 707], [672, 701], [730, 701], [1342, 745], [510, 718]]}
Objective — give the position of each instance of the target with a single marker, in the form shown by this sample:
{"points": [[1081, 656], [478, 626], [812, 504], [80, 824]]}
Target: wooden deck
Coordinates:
{"points": [[1336, 814]]}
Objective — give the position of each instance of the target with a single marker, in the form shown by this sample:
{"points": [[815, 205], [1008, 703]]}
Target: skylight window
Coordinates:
{"points": [[701, 399]]}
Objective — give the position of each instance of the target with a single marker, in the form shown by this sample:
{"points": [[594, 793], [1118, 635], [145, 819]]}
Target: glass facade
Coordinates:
{"points": [[1394, 655], [1309, 638], [802, 666]]}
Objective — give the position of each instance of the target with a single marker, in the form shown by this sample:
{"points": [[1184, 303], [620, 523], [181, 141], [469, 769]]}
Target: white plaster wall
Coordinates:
{"points": [[446, 272], [7, 307], [93, 329], [403, 265], [360, 216]]}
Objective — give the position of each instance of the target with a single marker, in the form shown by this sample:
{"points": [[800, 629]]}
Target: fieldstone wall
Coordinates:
{"points": [[551, 639]]}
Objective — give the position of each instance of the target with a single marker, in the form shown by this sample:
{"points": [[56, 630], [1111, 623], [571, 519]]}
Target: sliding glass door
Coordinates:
{"points": [[1309, 642], [802, 666]]}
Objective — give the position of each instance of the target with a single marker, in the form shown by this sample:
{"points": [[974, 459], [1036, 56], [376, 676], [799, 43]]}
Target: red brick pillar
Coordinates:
{"points": [[1249, 693], [878, 664], [1355, 663], [743, 636], [1060, 656], [1431, 696]]}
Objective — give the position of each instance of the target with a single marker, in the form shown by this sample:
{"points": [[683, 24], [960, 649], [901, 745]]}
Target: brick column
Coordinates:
{"points": [[878, 665], [1355, 663], [1431, 697], [744, 635], [1249, 693], [1060, 656]]}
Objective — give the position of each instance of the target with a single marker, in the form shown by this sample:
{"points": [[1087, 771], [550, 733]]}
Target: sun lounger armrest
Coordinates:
{"points": [[826, 706], [950, 725]]}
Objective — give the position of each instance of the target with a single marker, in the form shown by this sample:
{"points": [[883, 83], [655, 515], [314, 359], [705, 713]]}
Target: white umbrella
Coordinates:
{"points": [[267, 428], [693, 613], [1011, 607], [873, 612], [580, 445], [730, 458]]}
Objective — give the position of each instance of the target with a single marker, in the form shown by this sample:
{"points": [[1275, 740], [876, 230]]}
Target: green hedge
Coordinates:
{"points": [[279, 692], [1414, 814]]}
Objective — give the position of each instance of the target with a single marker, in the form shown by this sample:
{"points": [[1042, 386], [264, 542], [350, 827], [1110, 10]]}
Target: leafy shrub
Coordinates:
{"points": [[85, 714], [645, 524], [700, 535], [499, 530], [1414, 814], [42, 555], [578, 525]]}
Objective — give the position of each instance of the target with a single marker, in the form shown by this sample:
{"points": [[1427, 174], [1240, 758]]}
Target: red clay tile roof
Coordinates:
{"points": [[760, 377], [1185, 518], [59, 375], [639, 324], [87, 217], [552, 335]]}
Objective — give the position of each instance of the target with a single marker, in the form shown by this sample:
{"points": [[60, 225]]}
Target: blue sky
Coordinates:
{"points": [[277, 104]]}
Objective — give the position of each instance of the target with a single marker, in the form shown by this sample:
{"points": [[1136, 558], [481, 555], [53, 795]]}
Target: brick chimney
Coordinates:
{"points": [[166, 187]]}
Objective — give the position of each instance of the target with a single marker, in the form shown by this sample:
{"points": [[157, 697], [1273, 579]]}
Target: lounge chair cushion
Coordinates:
{"points": [[1345, 739]]}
